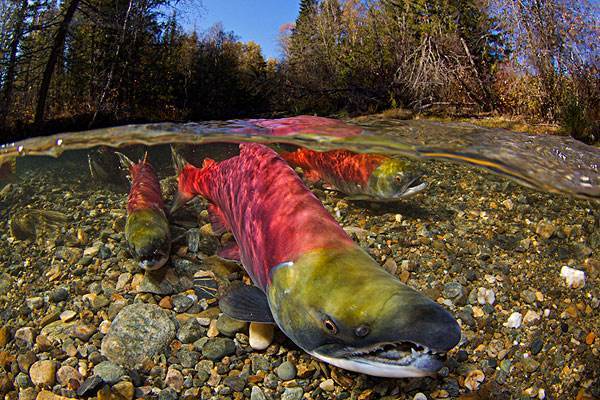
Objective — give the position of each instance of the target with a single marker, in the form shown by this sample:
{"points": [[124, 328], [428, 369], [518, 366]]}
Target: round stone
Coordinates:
{"points": [[138, 332], [286, 371], [42, 373], [109, 372], [217, 348]]}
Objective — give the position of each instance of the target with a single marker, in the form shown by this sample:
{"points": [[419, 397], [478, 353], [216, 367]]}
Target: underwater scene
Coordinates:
{"points": [[300, 258]]}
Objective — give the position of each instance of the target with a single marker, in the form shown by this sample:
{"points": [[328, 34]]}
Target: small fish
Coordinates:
{"points": [[103, 164], [31, 224], [360, 176], [147, 228], [322, 290]]}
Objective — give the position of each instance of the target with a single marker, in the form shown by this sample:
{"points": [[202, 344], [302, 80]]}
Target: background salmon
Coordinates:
{"points": [[360, 176], [147, 227]]}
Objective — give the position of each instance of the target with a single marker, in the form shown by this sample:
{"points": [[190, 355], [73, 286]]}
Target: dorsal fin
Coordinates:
{"points": [[208, 162]]}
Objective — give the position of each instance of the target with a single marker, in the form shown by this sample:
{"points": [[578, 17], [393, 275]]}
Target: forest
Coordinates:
{"points": [[78, 64]]}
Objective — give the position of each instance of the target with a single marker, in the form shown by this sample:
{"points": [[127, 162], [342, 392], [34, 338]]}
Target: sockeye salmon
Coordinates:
{"points": [[147, 228], [360, 176], [322, 290]]}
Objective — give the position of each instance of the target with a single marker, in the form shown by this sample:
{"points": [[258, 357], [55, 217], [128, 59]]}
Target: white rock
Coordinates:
{"points": [[485, 296], [575, 278], [261, 335], [514, 321], [67, 315], [420, 396]]}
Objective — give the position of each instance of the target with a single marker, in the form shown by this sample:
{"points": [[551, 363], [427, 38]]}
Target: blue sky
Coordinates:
{"points": [[257, 20]]}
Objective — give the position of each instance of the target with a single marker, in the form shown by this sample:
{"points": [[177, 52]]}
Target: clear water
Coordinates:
{"points": [[503, 212]]}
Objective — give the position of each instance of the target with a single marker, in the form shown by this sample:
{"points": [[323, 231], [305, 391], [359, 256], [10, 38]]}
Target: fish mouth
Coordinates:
{"points": [[413, 186], [390, 360], [153, 262]]}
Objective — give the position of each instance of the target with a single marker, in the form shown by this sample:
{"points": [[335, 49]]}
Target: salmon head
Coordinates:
{"points": [[392, 180], [343, 308], [148, 237]]}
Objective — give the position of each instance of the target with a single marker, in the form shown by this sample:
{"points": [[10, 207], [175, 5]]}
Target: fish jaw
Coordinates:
{"points": [[148, 237], [382, 327], [392, 181]]}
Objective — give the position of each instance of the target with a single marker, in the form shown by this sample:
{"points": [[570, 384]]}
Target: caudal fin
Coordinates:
{"points": [[178, 161]]}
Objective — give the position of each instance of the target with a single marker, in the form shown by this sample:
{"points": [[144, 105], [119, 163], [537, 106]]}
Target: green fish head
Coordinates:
{"points": [[343, 308], [392, 181], [148, 237]]}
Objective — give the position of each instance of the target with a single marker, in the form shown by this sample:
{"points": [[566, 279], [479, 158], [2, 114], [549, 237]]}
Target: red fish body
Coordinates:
{"points": [[361, 176], [322, 290], [147, 228], [273, 217]]}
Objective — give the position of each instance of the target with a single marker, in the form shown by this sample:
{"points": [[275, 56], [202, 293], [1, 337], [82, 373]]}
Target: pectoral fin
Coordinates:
{"points": [[246, 303]]}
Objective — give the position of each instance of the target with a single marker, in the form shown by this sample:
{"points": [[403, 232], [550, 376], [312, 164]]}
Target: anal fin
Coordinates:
{"points": [[246, 303]]}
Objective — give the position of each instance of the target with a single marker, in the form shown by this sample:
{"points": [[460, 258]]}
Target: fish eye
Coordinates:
{"points": [[398, 178], [361, 330], [330, 326]]}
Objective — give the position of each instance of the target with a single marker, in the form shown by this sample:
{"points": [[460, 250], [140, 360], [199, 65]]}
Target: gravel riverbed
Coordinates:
{"points": [[80, 319]]}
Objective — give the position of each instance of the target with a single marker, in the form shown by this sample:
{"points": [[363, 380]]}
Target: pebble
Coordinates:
{"points": [[292, 393], [452, 290], [109, 372], [67, 315], [58, 295], [575, 278], [531, 317], [257, 394], [138, 332], [327, 385], [25, 336], [125, 389], [261, 335], [4, 335], [42, 373], [174, 379], [229, 326], [104, 327], [474, 379], [286, 371], [530, 364], [190, 331], [83, 332], [545, 229], [485, 296], [217, 348], [167, 394], [26, 360], [536, 346], [181, 302], [48, 395], [514, 321], [69, 376], [236, 383], [90, 386]]}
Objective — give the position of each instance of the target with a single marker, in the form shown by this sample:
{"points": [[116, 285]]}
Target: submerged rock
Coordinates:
{"points": [[138, 332], [575, 278]]}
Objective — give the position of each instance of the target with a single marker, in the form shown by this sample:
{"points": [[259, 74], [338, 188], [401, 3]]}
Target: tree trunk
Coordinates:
{"points": [[9, 81], [57, 46]]}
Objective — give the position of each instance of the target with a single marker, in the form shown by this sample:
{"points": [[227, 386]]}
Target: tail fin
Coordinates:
{"points": [[178, 161], [126, 163]]}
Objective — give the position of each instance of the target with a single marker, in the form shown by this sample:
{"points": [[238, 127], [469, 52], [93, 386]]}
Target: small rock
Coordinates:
{"points": [[123, 280], [229, 326], [327, 385], [109, 372], [48, 395], [42, 373], [536, 346], [474, 379], [25, 336], [190, 331], [21, 381], [485, 296], [286, 371], [166, 302], [452, 290], [138, 332], [67, 315], [167, 394], [58, 295], [182, 302], [508, 204], [124, 389], [257, 394], [575, 278], [530, 364], [217, 348], [292, 393], [420, 396], [83, 332], [104, 327], [174, 379], [390, 266], [69, 377], [4, 335], [261, 335], [90, 386], [26, 360], [545, 229], [528, 296], [236, 383], [155, 285], [514, 321], [531, 317]]}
